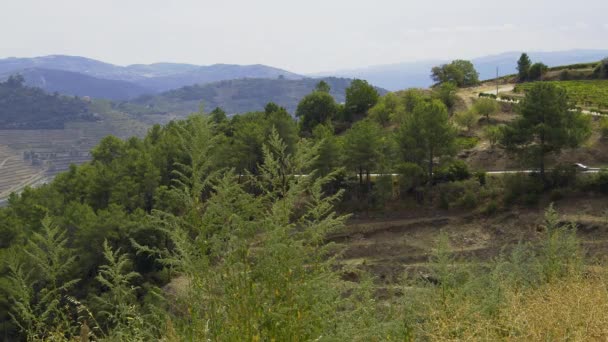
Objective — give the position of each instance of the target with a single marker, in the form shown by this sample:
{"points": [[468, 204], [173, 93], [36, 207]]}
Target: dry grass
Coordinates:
{"points": [[567, 310]]}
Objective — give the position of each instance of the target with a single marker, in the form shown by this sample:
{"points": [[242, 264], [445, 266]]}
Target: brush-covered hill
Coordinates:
{"points": [[78, 84], [417, 74], [136, 79], [236, 96], [23, 107]]}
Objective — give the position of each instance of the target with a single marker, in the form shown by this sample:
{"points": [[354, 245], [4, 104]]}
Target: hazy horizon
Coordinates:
{"points": [[305, 38]]}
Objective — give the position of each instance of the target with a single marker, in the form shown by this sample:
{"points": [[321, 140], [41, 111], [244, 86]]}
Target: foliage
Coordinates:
{"points": [[426, 133], [388, 110], [546, 125], [523, 67], [362, 147], [486, 107], [493, 134], [537, 70], [466, 119], [460, 72], [316, 108], [604, 127], [24, 107], [446, 93], [360, 97], [601, 69], [585, 93], [455, 170]]}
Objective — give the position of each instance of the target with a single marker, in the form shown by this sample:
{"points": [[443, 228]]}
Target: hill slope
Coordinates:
{"points": [[24, 107], [417, 74], [78, 84], [141, 78], [235, 96]]}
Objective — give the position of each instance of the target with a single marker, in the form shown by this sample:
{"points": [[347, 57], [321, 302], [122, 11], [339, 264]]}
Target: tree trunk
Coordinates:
{"points": [[431, 166]]}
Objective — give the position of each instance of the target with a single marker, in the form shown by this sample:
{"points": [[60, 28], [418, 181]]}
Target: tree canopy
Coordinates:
{"points": [[523, 67], [459, 71], [360, 97], [546, 124]]}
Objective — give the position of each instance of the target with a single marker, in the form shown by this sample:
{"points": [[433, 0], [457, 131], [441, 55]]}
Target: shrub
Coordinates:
{"points": [[481, 177], [522, 187], [562, 175], [604, 127], [410, 176], [493, 134], [468, 200], [453, 171], [490, 208], [383, 190], [601, 181], [465, 143], [466, 119]]}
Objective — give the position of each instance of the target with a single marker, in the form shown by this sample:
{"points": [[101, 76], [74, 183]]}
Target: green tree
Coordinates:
{"points": [[218, 115], [360, 97], [388, 109], [486, 107], [322, 86], [362, 148], [545, 125], [492, 134], [537, 70], [329, 150], [459, 71], [426, 134], [316, 108], [466, 119], [601, 70], [446, 93], [523, 67]]}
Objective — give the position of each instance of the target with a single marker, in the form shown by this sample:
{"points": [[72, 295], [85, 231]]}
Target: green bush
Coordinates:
{"points": [[454, 171], [490, 208], [562, 175], [521, 187], [465, 143], [383, 190], [468, 200], [601, 181], [481, 177], [604, 127], [410, 176]]}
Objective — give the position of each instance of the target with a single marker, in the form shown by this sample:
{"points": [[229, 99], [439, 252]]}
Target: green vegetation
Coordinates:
{"points": [[584, 93], [486, 107], [546, 124], [229, 228], [523, 67], [460, 72], [23, 107], [234, 96]]}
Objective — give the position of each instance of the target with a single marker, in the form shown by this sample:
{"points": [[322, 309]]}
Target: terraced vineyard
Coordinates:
{"points": [[31, 156], [16, 172], [588, 94]]}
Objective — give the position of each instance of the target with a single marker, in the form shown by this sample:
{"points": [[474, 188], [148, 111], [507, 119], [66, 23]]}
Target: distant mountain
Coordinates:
{"points": [[74, 83], [417, 74], [213, 73], [152, 78], [235, 96]]}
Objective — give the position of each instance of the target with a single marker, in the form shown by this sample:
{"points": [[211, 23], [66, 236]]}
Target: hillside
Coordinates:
{"points": [[23, 107], [235, 96], [417, 74], [135, 79], [79, 84]]}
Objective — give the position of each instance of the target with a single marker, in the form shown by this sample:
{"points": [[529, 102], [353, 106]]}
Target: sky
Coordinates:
{"points": [[300, 36]]}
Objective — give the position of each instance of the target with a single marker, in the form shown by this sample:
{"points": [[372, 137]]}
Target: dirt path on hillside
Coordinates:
{"points": [[390, 248]]}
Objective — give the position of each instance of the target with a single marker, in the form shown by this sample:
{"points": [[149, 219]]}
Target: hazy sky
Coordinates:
{"points": [[302, 36]]}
